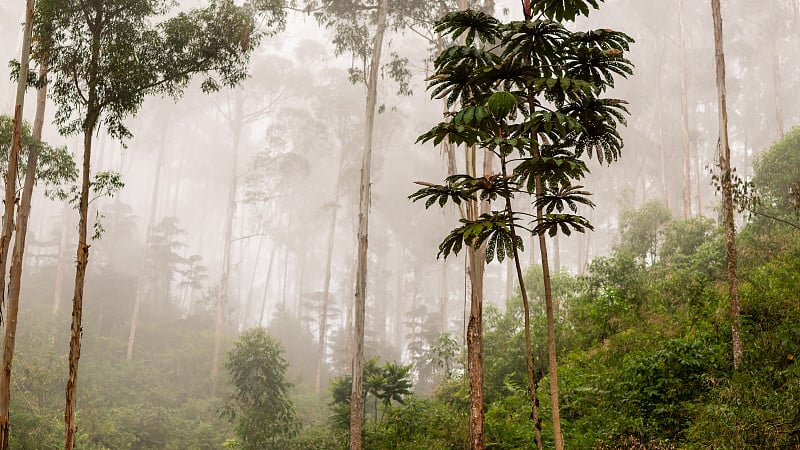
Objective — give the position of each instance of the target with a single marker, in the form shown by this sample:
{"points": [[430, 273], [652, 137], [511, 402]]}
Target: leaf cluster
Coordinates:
{"points": [[55, 168], [530, 93], [106, 56]]}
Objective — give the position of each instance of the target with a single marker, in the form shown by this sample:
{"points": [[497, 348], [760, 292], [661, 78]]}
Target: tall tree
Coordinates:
{"points": [[726, 183], [9, 201], [356, 399], [8, 224], [359, 30], [148, 234], [260, 405], [107, 57], [686, 159], [542, 62]]}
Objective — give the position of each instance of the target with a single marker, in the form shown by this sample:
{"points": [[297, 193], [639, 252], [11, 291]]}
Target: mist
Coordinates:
{"points": [[240, 209]]}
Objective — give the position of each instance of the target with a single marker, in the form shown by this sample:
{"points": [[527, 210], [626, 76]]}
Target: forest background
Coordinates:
{"points": [[642, 310]]}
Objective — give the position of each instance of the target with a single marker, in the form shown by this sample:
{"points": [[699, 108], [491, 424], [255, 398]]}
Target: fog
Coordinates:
{"points": [[286, 146]]}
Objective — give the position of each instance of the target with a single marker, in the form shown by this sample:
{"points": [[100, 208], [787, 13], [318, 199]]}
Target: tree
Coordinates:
{"points": [[13, 155], [107, 56], [687, 176], [360, 29], [726, 184], [260, 405], [56, 168], [506, 109]]}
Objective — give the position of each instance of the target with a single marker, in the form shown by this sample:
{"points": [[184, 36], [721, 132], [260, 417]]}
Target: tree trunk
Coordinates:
{"points": [[557, 252], [687, 175], [266, 285], [661, 152], [245, 313], [19, 248], [443, 298], [548, 301], [58, 289], [356, 400], [92, 116], [13, 161], [323, 320], [151, 220], [222, 298], [527, 319], [776, 72], [727, 188]]}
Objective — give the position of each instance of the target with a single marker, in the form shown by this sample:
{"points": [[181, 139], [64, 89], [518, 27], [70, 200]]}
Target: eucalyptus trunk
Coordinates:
{"points": [[686, 159], [13, 155], [727, 187], [222, 298], [21, 233], [776, 72], [58, 289], [661, 151], [326, 289], [91, 118], [140, 285], [356, 398], [266, 285]]}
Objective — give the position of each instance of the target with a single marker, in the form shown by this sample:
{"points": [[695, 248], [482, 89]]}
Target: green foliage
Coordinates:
{"points": [[105, 57], [776, 175], [640, 229], [663, 386], [55, 168], [382, 385], [502, 102], [260, 404]]}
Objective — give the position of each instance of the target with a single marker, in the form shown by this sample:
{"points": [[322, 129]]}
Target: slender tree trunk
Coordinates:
{"points": [[19, 249], [583, 248], [323, 320], [527, 319], [661, 152], [245, 314], [356, 399], [548, 301], [13, 159], [776, 72], [698, 169], [58, 289], [399, 301], [222, 299], [727, 189], [92, 116], [266, 285], [151, 220], [551, 334], [351, 300], [557, 252], [443, 298], [687, 175]]}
